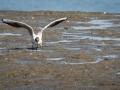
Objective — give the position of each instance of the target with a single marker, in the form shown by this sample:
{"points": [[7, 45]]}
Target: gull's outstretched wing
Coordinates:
{"points": [[53, 23], [19, 24]]}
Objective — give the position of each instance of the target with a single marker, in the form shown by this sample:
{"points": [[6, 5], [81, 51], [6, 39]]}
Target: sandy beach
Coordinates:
{"points": [[81, 53]]}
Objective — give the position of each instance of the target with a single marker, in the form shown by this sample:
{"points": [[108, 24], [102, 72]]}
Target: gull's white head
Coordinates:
{"points": [[37, 39]]}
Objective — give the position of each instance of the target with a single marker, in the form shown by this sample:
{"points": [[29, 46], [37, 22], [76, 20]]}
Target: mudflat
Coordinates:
{"points": [[81, 53]]}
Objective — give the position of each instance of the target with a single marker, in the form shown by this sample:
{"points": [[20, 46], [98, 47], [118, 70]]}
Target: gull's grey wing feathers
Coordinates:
{"points": [[53, 23], [19, 24]]}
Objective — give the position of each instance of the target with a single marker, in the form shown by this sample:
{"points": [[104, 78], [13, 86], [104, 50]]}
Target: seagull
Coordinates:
{"points": [[36, 38]]}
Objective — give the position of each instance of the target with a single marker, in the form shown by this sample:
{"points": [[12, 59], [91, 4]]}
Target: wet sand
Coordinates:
{"points": [[82, 53]]}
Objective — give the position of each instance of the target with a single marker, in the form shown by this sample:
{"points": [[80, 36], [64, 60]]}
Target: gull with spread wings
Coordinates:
{"points": [[36, 38]]}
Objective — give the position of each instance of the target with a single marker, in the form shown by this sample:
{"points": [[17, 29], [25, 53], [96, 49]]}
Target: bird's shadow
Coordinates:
{"points": [[20, 48], [29, 49], [23, 49]]}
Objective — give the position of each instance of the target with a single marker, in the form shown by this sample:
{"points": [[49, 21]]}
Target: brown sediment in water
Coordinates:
{"points": [[70, 59]]}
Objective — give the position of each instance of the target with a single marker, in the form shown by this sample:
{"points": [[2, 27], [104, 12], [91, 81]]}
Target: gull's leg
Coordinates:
{"points": [[37, 47]]}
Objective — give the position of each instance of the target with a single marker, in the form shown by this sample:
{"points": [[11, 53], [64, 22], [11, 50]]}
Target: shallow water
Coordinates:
{"points": [[118, 73], [10, 34], [54, 59], [98, 49], [95, 24], [58, 42], [74, 63], [111, 56], [99, 38], [79, 36], [39, 50], [26, 62], [2, 48], [0, 21], [73, 48]]}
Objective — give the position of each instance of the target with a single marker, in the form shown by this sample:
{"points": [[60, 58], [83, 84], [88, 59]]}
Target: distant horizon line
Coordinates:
{"points": [[59, 11]]}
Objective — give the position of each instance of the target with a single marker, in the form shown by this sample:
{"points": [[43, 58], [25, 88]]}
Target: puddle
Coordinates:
{"points": [[52, 43], [29, 87], [95, 24], [2, 15], [116, 44], [111, 56], [54, 59], [39, 50], [10, 34], [98, 49], [26, 62], [57, 42], [88, 87], [118, 73], [2, 48], [65, 41], [76, 36], [44, 77], [0, 22], [77, 33], [97, 61], [101, 22], [98, 38], [73, 48]]}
